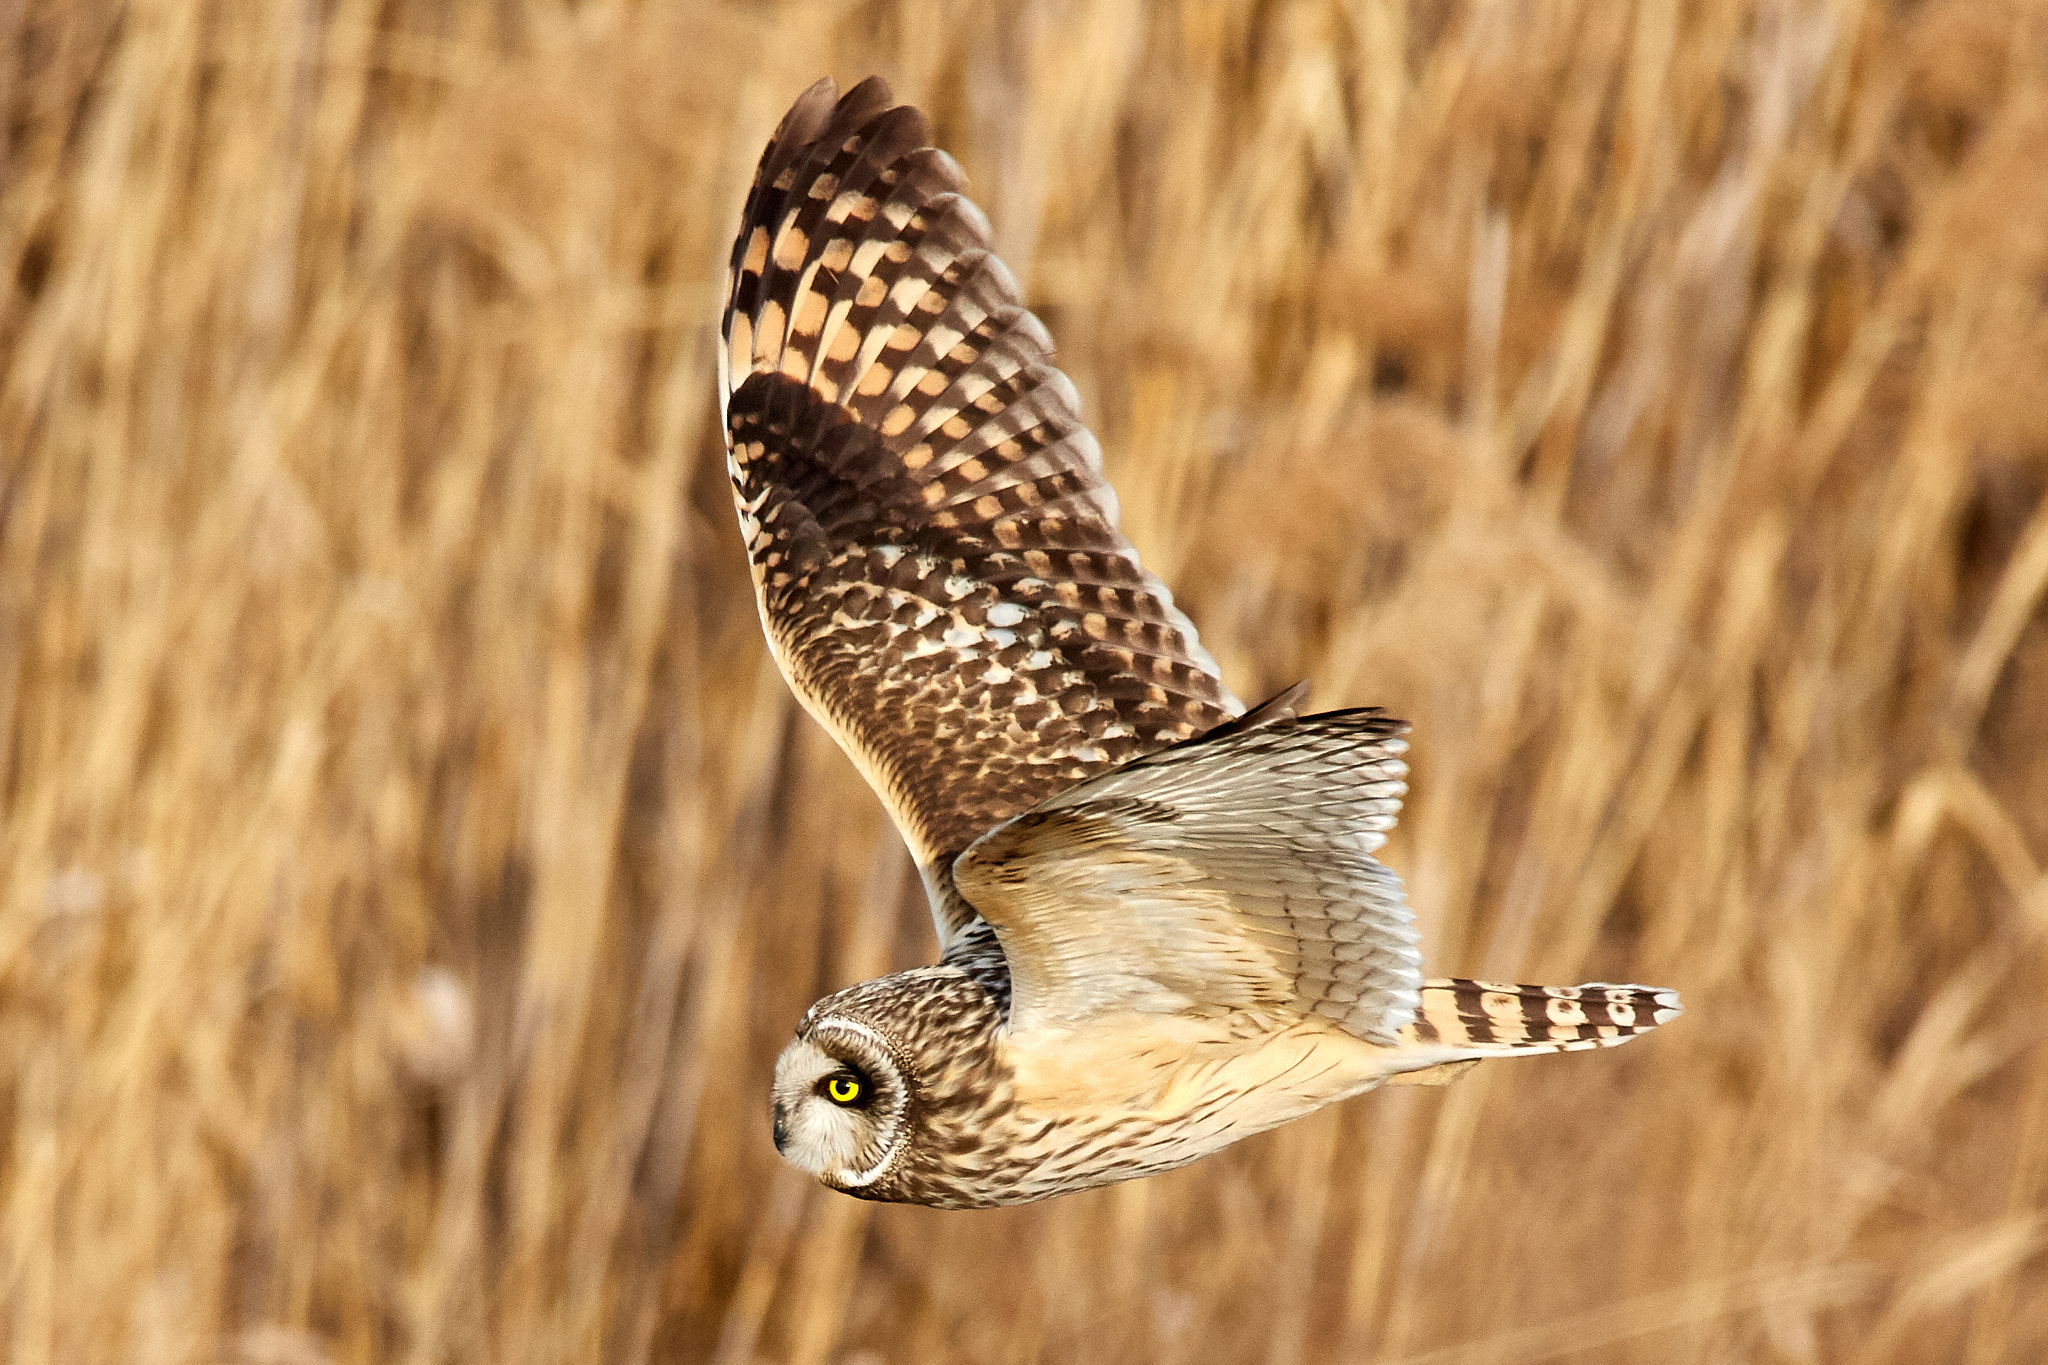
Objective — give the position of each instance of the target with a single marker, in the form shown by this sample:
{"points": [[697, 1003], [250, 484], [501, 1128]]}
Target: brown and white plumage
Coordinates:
{"points": [[1232, 875], [1162, 925], [934, 546]]}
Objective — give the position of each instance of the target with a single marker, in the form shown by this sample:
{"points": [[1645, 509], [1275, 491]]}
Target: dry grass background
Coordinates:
{"points": [[412, 863]]}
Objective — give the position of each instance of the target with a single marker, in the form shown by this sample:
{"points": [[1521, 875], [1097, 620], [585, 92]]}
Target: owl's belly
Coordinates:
{"points": [[1118, 1104]]}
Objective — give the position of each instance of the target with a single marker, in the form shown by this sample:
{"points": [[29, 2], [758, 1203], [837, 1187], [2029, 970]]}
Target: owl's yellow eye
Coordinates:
{"points": [[842, 1089]]}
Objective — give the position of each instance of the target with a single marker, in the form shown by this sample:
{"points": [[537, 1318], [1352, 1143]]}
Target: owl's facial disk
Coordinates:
{"points": [[839, 1103]]}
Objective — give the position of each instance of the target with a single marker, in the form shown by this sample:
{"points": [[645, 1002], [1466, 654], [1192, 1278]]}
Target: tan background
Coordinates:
{"points": [[412, 862]]}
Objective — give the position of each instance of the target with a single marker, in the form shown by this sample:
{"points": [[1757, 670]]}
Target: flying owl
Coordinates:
{"points": [[1161, 925]]}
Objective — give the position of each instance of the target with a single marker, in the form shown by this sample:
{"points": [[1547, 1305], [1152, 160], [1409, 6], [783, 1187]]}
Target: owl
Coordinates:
{"points": [[1162, 927]]}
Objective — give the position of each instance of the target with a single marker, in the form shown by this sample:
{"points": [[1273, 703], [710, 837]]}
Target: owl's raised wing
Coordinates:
{"points": [[1230, 875], [934, 547]]}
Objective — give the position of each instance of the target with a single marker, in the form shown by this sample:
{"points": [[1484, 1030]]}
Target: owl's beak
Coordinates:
{"points": [[781, 1127]]}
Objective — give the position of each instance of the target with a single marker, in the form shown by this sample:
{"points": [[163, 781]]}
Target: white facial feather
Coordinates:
{"points": [[843, 1146]]}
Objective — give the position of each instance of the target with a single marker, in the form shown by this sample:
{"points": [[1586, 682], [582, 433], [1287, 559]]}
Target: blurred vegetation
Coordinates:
{"points": [[410, 861]]}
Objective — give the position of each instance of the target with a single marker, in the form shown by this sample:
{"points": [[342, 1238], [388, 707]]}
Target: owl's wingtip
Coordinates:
{"points": [[872, 90]]}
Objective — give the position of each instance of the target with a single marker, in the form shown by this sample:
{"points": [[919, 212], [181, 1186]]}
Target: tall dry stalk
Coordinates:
{"points": [[411, 862]]}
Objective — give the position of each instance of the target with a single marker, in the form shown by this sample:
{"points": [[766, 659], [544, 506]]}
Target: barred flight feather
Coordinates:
{"points": [[1491, 1018], [933, 542]]}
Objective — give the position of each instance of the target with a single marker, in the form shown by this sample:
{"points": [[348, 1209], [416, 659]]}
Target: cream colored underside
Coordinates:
{"points": [[1171, 1089]]}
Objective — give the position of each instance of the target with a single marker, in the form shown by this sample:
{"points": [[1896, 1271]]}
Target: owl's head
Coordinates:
{"points": [[841, 1102], [894, 1089]]}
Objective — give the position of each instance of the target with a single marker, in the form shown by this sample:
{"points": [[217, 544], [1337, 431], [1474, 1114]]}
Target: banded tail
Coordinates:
{"points": [[1485, 1018]]}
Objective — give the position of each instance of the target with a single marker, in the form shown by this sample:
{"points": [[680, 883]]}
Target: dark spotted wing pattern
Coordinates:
{"points": [[933, 544]]}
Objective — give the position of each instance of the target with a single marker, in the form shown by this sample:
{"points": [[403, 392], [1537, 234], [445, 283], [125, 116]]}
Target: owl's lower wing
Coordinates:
{"points": [[934, 547], [1230, 875]]}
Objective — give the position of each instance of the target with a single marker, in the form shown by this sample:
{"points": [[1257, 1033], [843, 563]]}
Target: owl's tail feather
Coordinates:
{"points": [[1461, 1021]]}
